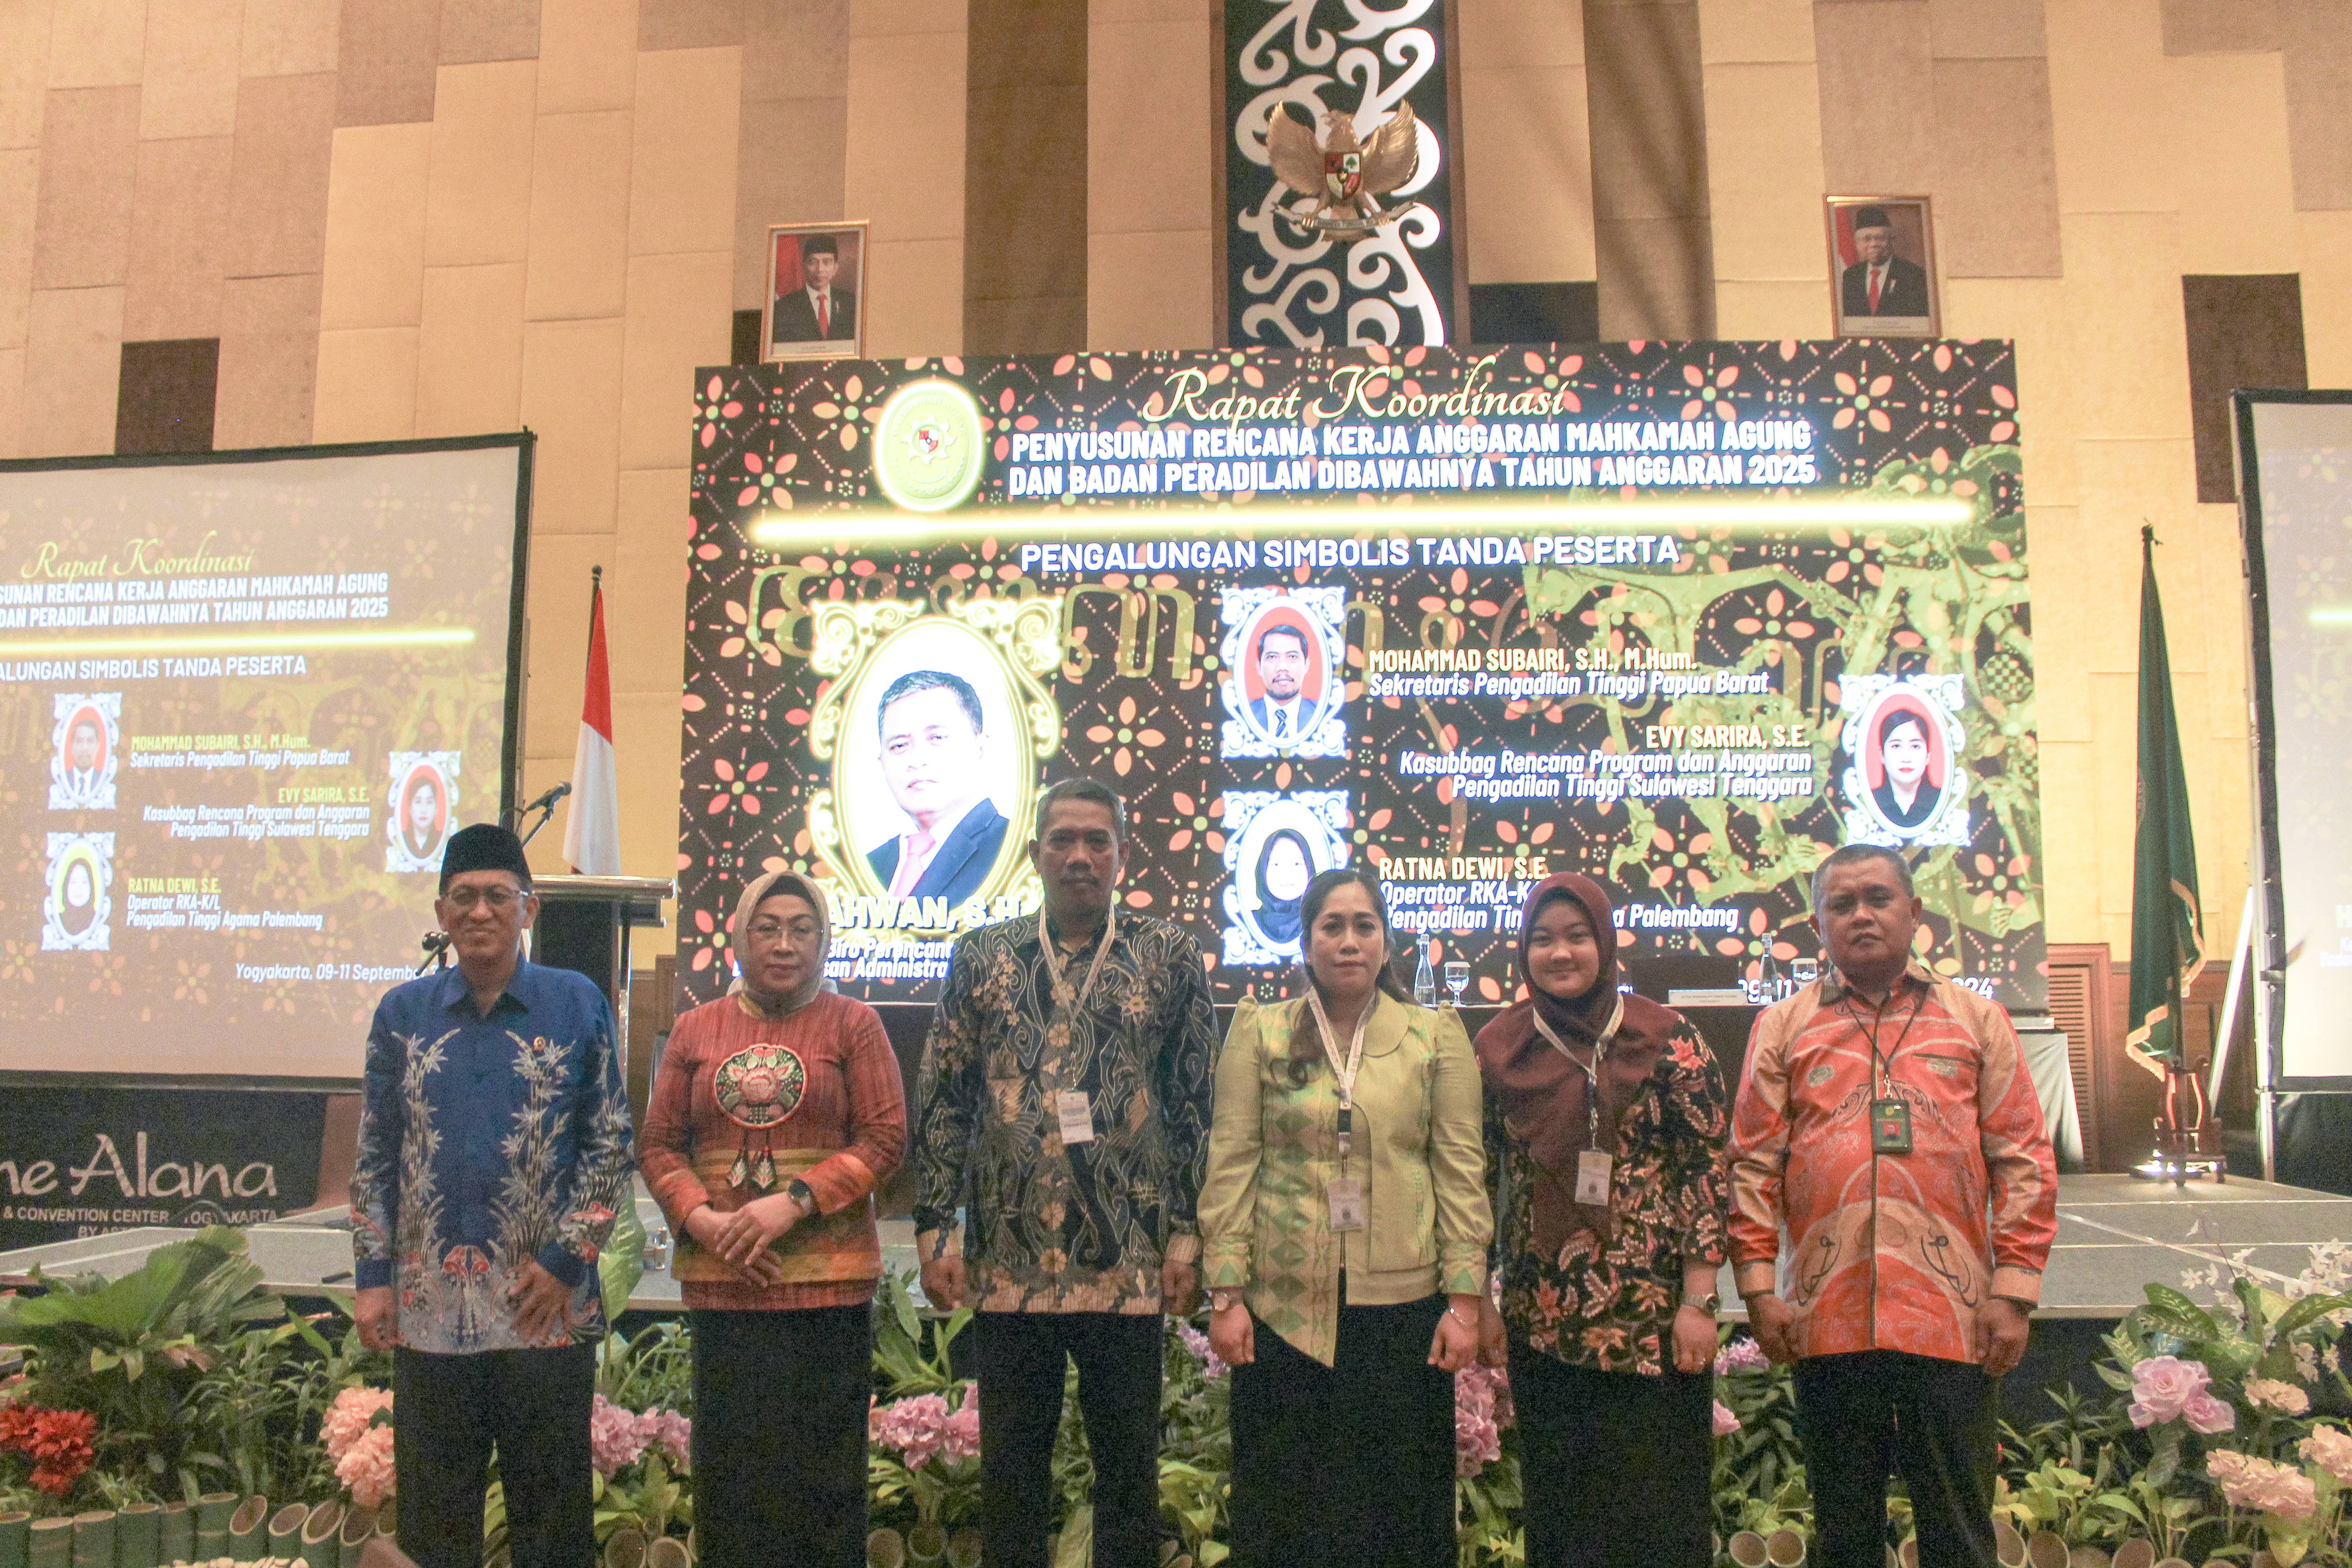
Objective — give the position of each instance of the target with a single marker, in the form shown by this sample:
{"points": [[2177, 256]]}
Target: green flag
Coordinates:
{"points": [[2168, 940]]}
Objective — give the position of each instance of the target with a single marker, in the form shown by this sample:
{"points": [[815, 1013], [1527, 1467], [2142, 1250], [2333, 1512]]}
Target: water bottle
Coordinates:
{"points": [[1425, 980]]}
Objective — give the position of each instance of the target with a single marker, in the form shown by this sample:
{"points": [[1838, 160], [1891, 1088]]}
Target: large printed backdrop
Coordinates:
{"points": [[1841, 622]]}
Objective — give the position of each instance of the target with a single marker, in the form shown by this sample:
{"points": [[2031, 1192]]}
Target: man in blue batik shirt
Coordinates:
{"points": [[494, 1152]]}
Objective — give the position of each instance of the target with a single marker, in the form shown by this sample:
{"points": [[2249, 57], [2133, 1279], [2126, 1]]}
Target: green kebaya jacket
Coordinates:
{"points": [[1266, 1223]]}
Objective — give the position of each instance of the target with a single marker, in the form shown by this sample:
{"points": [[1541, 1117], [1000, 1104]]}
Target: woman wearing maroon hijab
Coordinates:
{"points": [[1605, 1123]]}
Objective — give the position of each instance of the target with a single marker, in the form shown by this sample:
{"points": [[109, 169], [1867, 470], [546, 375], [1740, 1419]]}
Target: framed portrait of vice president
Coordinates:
{"points": [[1882, 266], [816, 292]]}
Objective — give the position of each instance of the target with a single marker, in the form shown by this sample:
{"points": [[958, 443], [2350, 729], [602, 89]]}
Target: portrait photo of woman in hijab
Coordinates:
{"points": [[1285, 867], [1908, 789]]}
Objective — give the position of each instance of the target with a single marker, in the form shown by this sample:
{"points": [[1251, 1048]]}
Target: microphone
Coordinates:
{"points": [[548, 801], [437, 950]]}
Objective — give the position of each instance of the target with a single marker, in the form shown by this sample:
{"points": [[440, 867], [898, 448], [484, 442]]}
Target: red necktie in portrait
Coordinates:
{"points": [[1875, 276], [824, 311]]}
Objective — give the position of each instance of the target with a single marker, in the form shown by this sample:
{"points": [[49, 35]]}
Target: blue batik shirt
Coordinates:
{"points": [[487, 1144]]}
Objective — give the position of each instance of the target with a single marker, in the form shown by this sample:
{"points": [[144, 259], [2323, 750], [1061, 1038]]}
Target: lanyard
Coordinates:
{"points": [[1593, 1068], [1883, 1067], [1344, 1071], [1054, 959]]}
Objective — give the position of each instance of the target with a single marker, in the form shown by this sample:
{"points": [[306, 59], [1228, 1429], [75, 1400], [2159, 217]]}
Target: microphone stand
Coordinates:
{"points": [[546, 815], [437, 952]]}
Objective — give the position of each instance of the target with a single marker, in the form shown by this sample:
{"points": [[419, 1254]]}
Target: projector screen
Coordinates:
{"points": [[1680, 616], [246, 700], [2294, 472]]}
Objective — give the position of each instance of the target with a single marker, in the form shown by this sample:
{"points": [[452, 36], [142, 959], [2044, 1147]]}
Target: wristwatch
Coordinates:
{"points": [[1711, 1303], [798, 1191], [1220, 1299]]}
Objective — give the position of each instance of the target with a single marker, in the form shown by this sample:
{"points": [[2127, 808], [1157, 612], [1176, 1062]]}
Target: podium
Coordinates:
{"points": [[583, 925]]}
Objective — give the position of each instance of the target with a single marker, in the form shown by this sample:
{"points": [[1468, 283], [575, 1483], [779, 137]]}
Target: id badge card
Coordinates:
{"points": [[1890, 1127], [1347, 1198], [1592, 1168], [1076, 1115]]}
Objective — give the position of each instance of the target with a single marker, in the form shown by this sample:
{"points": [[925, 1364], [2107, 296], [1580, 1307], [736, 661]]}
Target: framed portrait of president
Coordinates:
{"points": [[816, 292], [1881, 265]]}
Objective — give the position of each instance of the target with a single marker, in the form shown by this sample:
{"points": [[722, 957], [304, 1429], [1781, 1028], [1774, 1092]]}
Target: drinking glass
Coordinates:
{"points": [[1457, 979]]}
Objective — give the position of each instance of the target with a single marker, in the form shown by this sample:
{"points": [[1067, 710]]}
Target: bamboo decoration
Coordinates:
{"points": [[322, 1535], [886, 1548], [2044, 1550], [927, 1543], [626, 1549], [16, 1539], [359, 1528], [2008, 1544], [247, 1529], [668, 1551], [1785, 1548], [1748, 1550], [1909, 1557], [177, 1536], [93, 1538], [2138, 1552], [286, 1531], [214, 1510], [963, 1549], [51, 1543], [2087, 1557], [139, 1536]]}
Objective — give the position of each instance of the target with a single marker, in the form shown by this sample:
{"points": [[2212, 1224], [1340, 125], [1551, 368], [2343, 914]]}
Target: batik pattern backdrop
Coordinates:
{"points": [[1898, 552]]}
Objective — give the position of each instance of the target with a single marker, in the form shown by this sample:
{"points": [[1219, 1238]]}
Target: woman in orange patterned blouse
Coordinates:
{"points": [[777, 1112], [1605, 1122]]}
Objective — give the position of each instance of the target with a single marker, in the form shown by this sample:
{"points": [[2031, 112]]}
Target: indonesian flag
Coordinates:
{"points": [[591, 835]]}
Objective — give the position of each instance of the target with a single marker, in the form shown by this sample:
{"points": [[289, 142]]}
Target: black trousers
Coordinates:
{"points": [[780, 1401], [532, 1406], [1021, 1358], [1936, 1422], [1351, 1463], [1615, 1465]]}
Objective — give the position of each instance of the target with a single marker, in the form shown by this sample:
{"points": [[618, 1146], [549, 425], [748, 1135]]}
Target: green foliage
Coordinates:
{"points": [[133, 1351], [654, 1370]]}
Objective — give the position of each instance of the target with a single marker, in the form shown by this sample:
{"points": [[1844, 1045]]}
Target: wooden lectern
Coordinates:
{"points": [[583, 925]]}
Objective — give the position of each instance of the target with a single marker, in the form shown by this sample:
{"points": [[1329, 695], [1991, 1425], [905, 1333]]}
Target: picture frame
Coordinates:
{"points": [[1901, 231], [794, 324]]}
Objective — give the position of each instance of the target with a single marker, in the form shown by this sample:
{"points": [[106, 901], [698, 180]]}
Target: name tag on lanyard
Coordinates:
{"points": [[1890, 1127], [1074, 1112], [1592, 1171], [1346, 1199]]}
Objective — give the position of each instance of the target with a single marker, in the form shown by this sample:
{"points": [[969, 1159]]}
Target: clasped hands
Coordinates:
{"points": [[742, 1238]]}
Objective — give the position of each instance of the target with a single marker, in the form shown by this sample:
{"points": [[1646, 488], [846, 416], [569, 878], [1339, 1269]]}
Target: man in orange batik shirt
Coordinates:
{"points": [[1887, 1119]]}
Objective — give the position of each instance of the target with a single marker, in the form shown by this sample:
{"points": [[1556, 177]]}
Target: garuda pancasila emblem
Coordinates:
{"points": [[1345, 175]]}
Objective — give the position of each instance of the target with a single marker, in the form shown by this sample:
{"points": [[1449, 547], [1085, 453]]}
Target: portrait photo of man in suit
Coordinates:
{"points": [[814, 296], [1886, 287], [934, 754], [1286, 713]]}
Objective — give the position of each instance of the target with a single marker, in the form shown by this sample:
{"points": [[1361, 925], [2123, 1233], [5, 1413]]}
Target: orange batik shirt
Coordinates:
{"points": [[1890, 1251]]}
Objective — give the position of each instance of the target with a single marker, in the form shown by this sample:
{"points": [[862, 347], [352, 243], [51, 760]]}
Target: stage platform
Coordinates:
{"points": [[2115, 1234]]}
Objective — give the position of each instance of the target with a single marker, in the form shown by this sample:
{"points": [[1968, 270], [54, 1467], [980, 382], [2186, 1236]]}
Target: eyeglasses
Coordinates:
{"points": [[500, 899], [800, 931]]}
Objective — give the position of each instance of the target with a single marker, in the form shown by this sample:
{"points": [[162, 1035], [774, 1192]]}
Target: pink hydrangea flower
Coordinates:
{"points": [[349, 1419], [2163, 1387], [2329, 1448], [1198, 1344], [615, 1437], [1725, 1423], [1740, 1355], [1477, 1435], [2209, 1415], [673, 1431], [2271, 1394], [2282, 1492], [923, 1427], [366, 1468]]}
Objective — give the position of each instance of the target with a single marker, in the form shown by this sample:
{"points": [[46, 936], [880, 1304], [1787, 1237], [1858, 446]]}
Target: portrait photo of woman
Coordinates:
{"points": [[1908, 789], [1285, 867]]}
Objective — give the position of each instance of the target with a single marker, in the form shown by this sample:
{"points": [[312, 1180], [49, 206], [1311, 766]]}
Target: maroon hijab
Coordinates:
{"points": [[1541, 1093]]}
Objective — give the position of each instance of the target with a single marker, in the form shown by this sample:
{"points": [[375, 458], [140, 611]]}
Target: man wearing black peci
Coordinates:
{"points": [[1881, 283]]}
